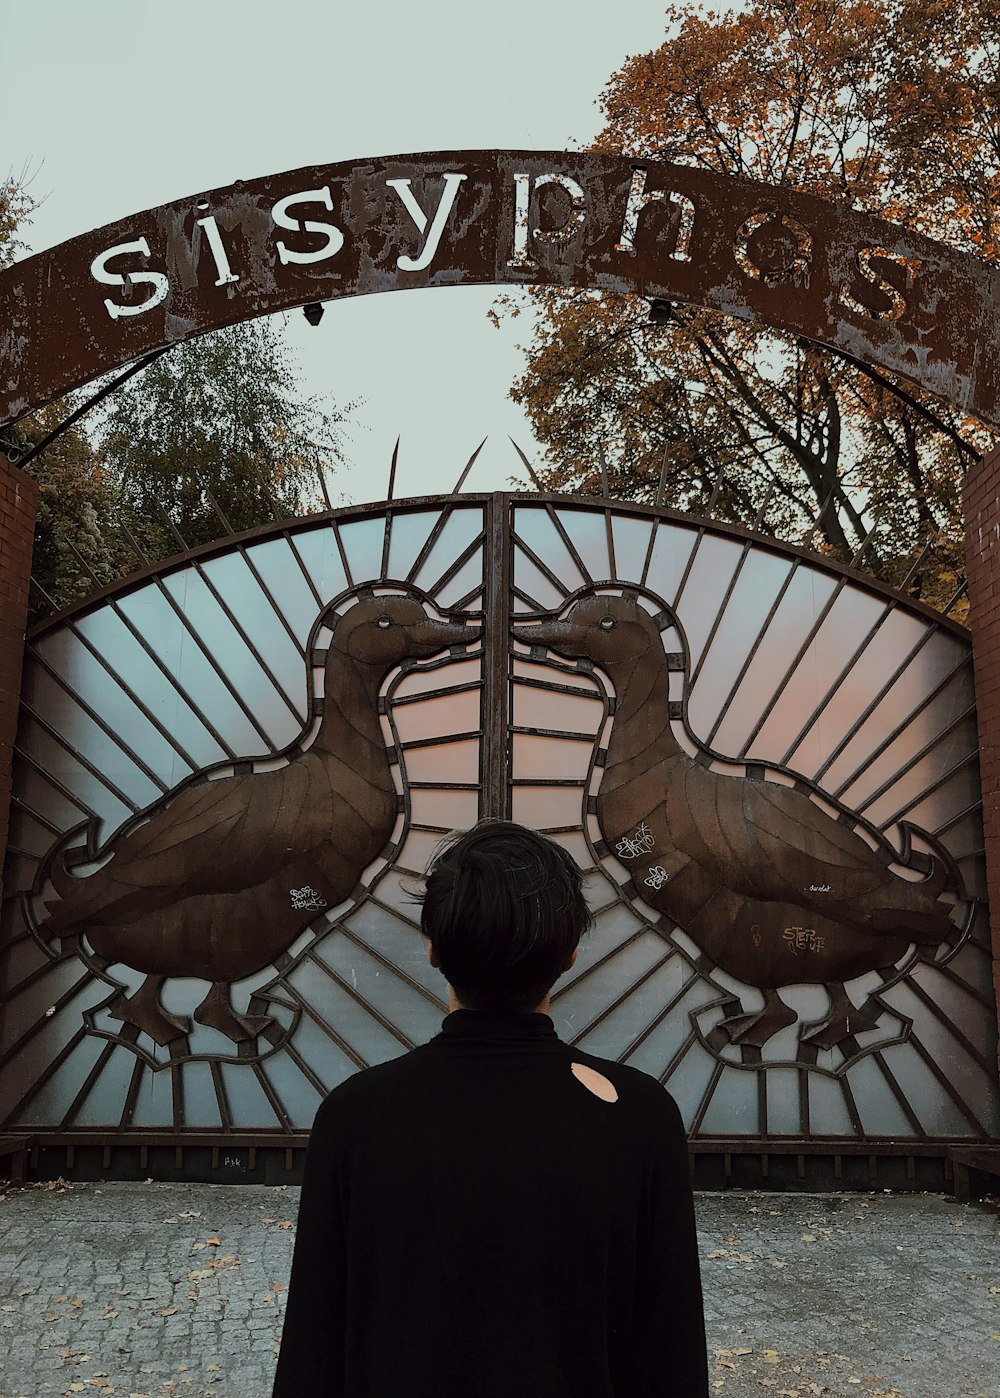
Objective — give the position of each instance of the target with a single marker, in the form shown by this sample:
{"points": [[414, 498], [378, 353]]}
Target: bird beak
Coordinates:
{"points": [[432, 636], [556, 635]]}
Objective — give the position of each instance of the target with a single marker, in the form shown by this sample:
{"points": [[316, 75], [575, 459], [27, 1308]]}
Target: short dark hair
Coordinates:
{"points": [[503, 910]]}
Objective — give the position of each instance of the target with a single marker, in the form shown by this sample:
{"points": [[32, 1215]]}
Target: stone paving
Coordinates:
{"points": [[168, 1290]]}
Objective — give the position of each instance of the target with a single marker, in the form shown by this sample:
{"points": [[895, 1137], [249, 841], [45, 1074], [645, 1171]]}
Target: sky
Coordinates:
{"points": [[114, 106]]}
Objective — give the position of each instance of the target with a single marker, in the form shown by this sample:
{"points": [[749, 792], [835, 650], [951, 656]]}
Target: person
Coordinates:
{"points": [[496, 1214]]}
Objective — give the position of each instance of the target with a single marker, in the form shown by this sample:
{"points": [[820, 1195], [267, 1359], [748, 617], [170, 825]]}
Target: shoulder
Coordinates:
{"points": [[638, 1090], [356, 1094]]}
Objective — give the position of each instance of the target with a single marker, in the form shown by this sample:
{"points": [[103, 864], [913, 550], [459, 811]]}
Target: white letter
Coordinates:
{"points": [[157, 280], [897, 301], [550, 235], [795, 270], [637, 201], [522, 194], [334, 237], [402, 188], [226, 273]]}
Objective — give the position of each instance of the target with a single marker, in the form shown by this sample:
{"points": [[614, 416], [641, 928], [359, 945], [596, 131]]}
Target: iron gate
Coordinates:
{"points": [[711, 723]]}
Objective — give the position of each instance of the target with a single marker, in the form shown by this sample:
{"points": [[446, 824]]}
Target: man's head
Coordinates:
{"points": [[503, 911]]}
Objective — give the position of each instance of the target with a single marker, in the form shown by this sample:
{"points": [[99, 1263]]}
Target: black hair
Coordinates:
{"points": [[503, 910]]}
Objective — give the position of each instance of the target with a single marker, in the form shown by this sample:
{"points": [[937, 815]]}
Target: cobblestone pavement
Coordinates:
{"points": [[166, 1291]]}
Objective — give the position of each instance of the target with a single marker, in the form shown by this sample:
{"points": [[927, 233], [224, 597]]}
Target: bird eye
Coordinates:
{"points": [[607, 622], [384, 622]]}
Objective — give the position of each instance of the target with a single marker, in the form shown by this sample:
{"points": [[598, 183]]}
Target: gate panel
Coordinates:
{"points": [[783, 675], [219, 670]]}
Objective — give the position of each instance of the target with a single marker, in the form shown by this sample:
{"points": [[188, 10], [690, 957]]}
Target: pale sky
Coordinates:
{"points": [[120, 105]]}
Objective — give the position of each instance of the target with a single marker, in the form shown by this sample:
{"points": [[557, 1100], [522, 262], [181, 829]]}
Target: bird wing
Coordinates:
{"points": [[211, 838]]}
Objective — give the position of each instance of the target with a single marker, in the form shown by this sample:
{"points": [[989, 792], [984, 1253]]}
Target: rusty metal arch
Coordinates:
{"points": [[779, 257]]}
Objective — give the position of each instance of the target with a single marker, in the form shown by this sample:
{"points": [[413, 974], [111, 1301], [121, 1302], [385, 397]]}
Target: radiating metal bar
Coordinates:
{"points": [[527, 466], [834, 688], [392, 473], [51, 1068], [274, 1101], [383, 960], [221, 1095], [335, 531], [455, 568], [942, 1077], [440, 741], [899, 1094], [751, 654], [359, 999], [132, 1095], [811, 635], [988, 1064], [873, 704], [609, 529], [851, 1105], [428, 545], [88, 1083], [679, 1056], [327, 1029], [603, 460], [540, 564], [77, 756], [92, 714], [918, 756], [720, 613], [468, 467], [706, 1098], [969, 758]]}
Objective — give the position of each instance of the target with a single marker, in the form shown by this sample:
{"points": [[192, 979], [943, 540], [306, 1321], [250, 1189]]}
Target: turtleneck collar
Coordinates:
{"points": [[498, 1024]]}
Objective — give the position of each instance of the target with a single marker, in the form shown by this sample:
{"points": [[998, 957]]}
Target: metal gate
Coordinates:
{"points": [[230, 772]]}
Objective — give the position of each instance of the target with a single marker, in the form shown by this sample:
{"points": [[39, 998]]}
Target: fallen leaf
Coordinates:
{"points": [[167, 1310], [213, 1242], [779, 1264], [770, 1356]]}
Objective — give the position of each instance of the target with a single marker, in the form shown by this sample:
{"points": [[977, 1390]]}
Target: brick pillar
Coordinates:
{"points": [[17, 527], [981, 500]]}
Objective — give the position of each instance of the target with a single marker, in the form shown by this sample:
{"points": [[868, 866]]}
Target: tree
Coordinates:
{"points": [[213, 436], [842, 98], [16, 205]]}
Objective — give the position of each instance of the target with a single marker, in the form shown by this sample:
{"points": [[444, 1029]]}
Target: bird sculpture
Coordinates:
{"points": [[222, 877], [771, 887]]}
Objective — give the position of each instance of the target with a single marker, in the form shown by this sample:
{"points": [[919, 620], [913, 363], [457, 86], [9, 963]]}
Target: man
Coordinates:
{"points": [[495, 1214]]}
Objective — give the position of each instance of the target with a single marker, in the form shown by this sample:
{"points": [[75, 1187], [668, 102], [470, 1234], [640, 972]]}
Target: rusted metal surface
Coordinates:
{"points": [[785, 259]]}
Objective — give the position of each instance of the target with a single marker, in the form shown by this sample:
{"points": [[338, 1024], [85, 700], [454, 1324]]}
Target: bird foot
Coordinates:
{"points": [[755, 1029], [844, 1022], [144, 1011], [215, 1012]]}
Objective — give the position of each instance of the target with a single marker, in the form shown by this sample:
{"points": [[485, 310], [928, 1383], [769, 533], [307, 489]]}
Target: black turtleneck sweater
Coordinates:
{"points": [[476, 1223]]}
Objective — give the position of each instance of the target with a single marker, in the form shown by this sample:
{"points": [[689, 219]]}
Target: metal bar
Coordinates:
{"points": [[99, 1066], [497, 691], [751, 654], [221, 1095], [65, 1052], [706, 1098], [838, 682], [970, 757], [873, 704], [918, 756], [468, 467], [720, 613], [84, 762], [455, 568], [813, 632], [942, 1077]]}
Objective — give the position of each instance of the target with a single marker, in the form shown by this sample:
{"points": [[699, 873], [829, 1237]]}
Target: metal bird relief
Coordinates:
{"points": [[776, 883], [220, 878]]}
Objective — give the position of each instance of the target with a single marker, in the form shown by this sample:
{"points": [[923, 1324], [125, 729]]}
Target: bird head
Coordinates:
{"points": [[609, 630], [382, 631]]}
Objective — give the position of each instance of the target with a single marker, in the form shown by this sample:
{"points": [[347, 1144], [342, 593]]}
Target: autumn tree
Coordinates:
{"points": [[888, 108], [215, 436]]}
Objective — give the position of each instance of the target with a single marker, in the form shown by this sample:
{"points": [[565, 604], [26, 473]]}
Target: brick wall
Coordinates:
{"points": [[982, 541], [17, 525]]}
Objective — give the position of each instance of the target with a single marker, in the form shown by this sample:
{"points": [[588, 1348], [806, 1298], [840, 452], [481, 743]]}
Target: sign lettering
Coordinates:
{"points": [[781, 258]]}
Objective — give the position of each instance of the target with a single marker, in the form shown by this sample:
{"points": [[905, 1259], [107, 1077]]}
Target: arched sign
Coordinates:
{"points": [[776, 256]]}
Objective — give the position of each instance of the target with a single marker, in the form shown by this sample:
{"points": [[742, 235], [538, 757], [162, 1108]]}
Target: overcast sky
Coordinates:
{"points": [[119, 105]]}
